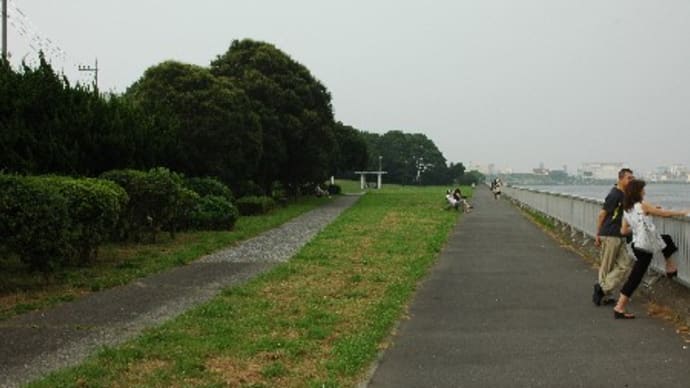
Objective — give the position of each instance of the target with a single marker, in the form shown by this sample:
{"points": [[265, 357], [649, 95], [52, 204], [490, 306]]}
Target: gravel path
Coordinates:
{"points": [[36, 343]]}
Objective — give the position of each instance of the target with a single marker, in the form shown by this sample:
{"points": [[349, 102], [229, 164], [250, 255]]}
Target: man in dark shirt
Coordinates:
{"points": [[614, 260]]}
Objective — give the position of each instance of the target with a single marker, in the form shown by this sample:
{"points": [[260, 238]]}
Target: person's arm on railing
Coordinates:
{"points": [[658, 211]]}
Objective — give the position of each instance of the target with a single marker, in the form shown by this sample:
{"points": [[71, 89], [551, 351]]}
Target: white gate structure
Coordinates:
{"points": [[580, 214]]}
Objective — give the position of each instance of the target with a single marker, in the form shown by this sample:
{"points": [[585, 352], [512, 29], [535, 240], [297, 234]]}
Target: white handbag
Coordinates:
{"points": [[645, 236]]}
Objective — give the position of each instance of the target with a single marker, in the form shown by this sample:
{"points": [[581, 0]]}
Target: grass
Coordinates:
{"points": [[540, 218], [21, 291], [316, 321]]}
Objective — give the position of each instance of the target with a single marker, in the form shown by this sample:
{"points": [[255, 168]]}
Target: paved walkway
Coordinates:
{"points": [[38, 342], [506, 306]]}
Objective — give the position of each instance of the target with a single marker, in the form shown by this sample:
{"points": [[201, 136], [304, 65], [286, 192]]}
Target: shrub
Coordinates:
{"points": [[254, 205], [248, 189], [154, 200], [334, 190], [209, 186], [48, 221], [94, 206], [34, 222], [185, 207], [214, 213]]}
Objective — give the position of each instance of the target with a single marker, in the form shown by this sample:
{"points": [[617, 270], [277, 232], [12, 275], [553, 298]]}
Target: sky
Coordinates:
{"points": [[513, 83]]}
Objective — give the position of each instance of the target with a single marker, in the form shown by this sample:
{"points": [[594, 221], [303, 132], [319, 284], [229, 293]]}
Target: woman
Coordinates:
{"points": [[636, 218]]}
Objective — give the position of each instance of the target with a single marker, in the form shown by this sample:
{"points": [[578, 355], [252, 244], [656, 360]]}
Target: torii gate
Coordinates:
{"points": [[363, 181]]}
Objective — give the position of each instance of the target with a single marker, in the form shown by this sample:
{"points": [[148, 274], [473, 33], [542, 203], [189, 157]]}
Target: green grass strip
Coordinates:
{"points": [[318, 320]]}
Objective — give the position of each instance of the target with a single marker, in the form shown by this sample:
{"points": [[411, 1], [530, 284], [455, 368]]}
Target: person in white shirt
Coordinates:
{"points": [[637, 219]]}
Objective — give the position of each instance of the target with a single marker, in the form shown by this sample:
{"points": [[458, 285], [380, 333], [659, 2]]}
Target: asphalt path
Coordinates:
{"points": [[507, 306]]}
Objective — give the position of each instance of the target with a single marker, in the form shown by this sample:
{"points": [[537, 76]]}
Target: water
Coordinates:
{"points": [[669, 195]]}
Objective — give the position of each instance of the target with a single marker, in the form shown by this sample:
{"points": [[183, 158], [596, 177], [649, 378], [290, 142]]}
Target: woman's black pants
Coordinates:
{"points": [[644, 258]]}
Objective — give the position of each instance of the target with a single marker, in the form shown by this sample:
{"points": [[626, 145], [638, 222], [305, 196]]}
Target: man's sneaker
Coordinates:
{"points": [[598, 295]]}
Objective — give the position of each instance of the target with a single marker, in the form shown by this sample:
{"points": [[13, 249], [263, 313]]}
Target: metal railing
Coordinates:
{"points": [[581, 213]]}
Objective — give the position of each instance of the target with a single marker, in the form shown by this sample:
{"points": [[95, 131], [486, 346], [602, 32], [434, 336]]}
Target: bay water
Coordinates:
{"points": [[668, 195]]}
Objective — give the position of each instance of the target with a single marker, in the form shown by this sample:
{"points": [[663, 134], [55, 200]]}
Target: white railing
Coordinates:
{"points": [[581, 214]]}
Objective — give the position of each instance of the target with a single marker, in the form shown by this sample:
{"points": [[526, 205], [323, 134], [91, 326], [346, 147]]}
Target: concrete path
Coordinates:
{"points": [[42, 341], [506, 306]]}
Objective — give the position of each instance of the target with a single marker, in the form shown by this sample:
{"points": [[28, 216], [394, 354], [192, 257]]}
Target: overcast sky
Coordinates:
{"points": [[509, 82]]}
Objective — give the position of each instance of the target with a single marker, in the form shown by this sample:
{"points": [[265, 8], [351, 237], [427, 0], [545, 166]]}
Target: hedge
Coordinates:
{"points": [[209, 187], [48, 221], [214, 213], [157, 201], [94, 206], [334, 189], [254, 205]]}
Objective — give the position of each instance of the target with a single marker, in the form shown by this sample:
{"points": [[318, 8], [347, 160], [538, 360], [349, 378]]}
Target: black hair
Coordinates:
{"points": [[633, 193], [623, 171]]}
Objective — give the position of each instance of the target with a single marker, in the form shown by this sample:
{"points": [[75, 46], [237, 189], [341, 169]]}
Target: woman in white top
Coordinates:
{"points": [[636, 219]]}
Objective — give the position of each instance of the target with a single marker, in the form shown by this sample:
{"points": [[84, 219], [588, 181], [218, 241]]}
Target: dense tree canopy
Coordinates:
{"points": [[255, 116], [408, 158], [351, 152], [295, 110], [47, 125], [207, 123]]}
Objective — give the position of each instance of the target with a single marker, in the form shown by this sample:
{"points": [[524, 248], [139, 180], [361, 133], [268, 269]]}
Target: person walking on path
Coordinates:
{"points": [[614, 262], [637, 220]]}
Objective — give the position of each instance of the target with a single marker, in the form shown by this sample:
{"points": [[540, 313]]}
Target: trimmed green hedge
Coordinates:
{"points": [[214, 213], [48, 221], [161, 200], [157, 201], [209, 186], [254, 205], [335, 189], [94, 206]]}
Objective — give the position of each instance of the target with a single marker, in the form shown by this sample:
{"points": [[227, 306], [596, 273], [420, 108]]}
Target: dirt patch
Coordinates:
{"points": [[236, 372], [138, 373]]}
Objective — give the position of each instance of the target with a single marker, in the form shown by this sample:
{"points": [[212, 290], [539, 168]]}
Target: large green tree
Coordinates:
{"points": [[205, 122], [408, 158], [351, 150], [295, 110]]}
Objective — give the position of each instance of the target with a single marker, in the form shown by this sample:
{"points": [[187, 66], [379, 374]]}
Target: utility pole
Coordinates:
{"points": [[93, 69], [4, 29]]}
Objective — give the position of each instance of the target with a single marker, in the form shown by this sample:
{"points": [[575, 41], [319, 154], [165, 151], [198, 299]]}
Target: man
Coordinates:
{"points": [[614, 260]]}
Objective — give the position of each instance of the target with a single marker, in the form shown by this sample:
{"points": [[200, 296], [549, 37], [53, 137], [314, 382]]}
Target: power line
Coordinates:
{"points": [[4, 30], [93, 69], [36, 41]]}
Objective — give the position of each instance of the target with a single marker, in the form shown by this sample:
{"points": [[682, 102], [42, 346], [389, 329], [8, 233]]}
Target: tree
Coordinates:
{"points": [[295, 111], [456, 172], [205, 123], [408, 158], [351, 150]]}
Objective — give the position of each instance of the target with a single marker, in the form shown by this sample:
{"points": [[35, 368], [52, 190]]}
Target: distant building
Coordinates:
{"points": [[603, 171], [483, 168], [540, 171], [673, 173]]}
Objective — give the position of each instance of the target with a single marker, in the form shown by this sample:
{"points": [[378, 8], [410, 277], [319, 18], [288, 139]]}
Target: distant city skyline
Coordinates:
{"points": [[668, 169]]}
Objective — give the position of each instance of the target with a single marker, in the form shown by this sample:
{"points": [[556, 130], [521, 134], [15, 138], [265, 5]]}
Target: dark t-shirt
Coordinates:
{"points": [[613, 204]]}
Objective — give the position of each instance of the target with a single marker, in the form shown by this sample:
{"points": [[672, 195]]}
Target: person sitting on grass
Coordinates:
{"points": [[319, 192], [462, 200], [452, 201]]}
